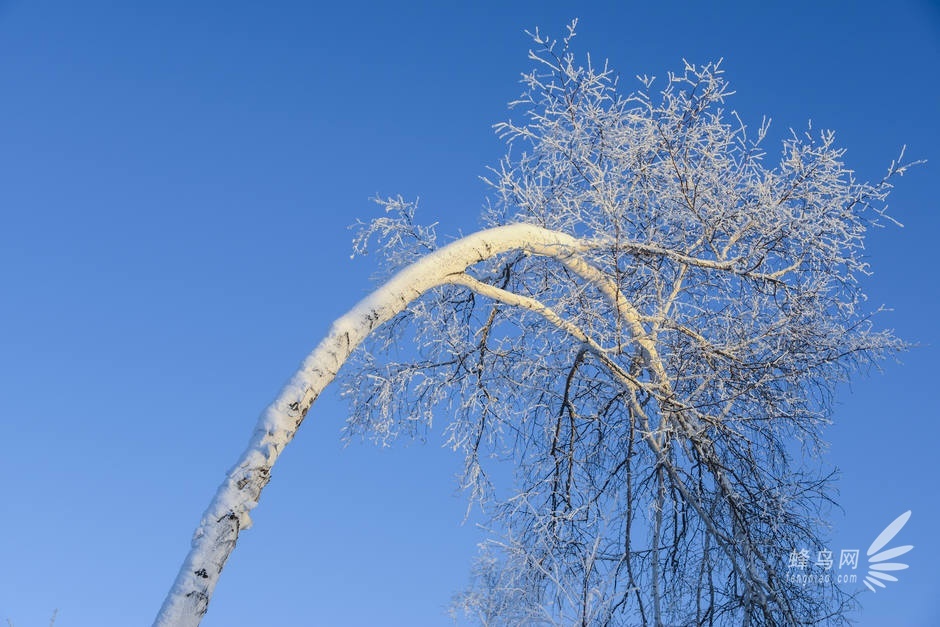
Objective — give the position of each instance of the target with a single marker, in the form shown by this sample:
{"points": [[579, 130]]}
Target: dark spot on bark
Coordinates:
{"points": [[202, 573]]}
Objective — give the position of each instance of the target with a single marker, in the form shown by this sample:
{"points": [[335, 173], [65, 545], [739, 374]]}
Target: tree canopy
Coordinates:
{"points": [[661, 383]]}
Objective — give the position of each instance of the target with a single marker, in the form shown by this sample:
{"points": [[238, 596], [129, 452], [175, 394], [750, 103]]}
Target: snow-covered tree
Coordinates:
{"points": [[648, 328]]}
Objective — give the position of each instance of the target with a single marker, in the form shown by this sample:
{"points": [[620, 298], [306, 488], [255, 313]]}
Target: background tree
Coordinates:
{"points": [[648, 331]]}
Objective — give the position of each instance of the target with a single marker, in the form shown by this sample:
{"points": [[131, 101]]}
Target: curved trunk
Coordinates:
{"points": [[228, 513]]}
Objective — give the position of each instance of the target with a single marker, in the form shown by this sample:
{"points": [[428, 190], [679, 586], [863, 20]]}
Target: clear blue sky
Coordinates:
{"points": [[176, 179]]}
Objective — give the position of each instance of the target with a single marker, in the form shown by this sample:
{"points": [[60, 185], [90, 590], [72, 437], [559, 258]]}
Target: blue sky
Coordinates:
{"points": [[176, 182]]}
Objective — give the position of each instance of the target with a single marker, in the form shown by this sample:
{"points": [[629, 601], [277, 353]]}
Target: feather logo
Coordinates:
{"points": [[878, 562]]}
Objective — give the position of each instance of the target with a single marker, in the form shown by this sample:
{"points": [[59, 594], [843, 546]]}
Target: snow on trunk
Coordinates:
{"points": [[228, 513]]}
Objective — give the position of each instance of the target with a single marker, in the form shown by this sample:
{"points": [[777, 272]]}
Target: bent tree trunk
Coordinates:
{"points": [[228, 513]]}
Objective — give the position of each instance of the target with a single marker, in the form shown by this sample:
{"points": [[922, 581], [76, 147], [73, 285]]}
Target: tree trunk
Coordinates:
{"points": [[228, 513]]}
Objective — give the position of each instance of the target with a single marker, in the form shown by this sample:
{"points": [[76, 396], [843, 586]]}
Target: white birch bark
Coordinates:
{"points": [[228, 513]]}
